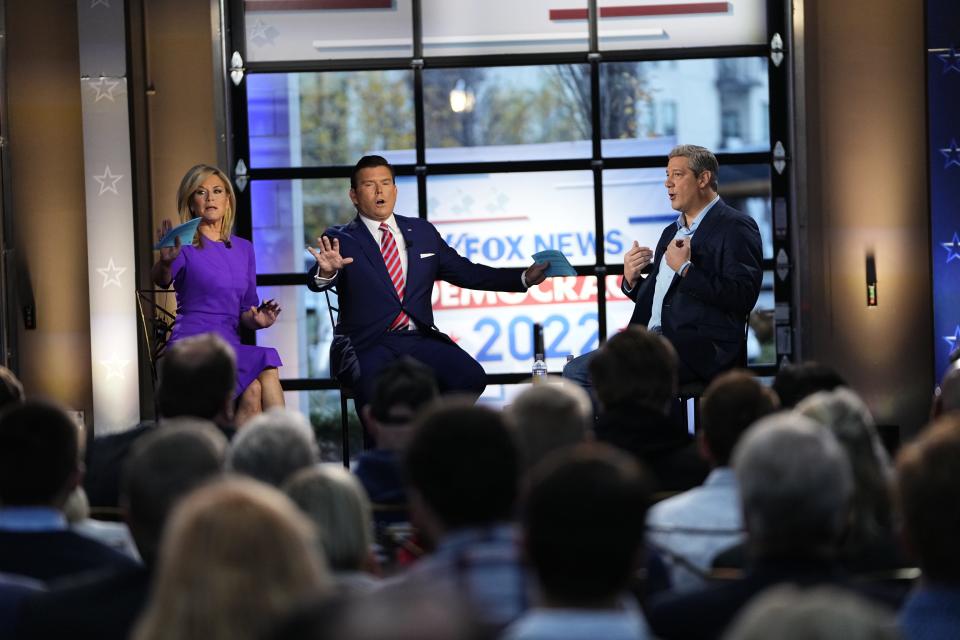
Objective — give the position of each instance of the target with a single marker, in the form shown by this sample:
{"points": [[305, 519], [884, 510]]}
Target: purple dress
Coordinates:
{"points": [[214, 285]]}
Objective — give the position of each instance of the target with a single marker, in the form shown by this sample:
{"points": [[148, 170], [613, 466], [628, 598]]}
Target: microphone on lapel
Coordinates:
{"points": [[406, 238]]}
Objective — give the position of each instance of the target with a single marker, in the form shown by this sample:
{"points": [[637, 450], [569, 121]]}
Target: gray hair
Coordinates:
{"points": [[338, 505], [701, 159], [795, 484], [272, 446], [547, 417], [950, 390], [826, 613]]}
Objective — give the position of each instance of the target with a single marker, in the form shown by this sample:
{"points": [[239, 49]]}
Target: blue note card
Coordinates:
{"points": [[559, 265], [185, 232]]}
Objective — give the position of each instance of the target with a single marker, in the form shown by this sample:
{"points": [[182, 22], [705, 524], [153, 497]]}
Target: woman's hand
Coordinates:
{"points": [[168, 254], [328, 257], [263, 316]]}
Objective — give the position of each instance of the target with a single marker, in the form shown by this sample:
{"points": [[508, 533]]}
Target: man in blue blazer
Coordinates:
{"points": [[385, 308], [703, 277]]}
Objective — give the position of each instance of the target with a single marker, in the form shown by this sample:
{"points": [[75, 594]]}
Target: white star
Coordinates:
{"points": [[115, 367], [107, 176], [954, 339], [104, 89], [262, 33], [105, 3], [111, 274], [952, 154], [953, 248]]}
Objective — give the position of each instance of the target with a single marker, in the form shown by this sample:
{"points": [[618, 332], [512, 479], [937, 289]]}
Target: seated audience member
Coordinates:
{"points": [[635, 378], [337, 504], [821, 613], [795, 484], [947, 396], [689, 529], [795, 382], [869, 543], [11, 389], [197, 379], [928, 493], [162, 467], [272, 446], [236, 556], [115, 535], [583, 533], [547, 417], [401, 391], [39, 468], [14, 590], [462, 471]]}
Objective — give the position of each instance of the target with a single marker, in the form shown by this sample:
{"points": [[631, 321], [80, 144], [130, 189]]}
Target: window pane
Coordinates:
{"points": [[290, 214], [648, 107], [314, 119], [635, 205], [507, 113], [627, 24], [497, 328], [324, 30], [502, 219], [467, 27]]}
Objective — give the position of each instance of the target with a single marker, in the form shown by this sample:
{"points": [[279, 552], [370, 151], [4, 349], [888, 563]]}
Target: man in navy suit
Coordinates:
{"points": [[704, 275], [387, 314]]}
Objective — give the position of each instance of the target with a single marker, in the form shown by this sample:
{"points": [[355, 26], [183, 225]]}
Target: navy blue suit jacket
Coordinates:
{"points": [[704, 313], [367, 298]]}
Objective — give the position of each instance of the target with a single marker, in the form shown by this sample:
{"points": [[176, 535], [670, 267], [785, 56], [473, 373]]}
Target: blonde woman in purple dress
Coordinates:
{"points": [[215, 282]]}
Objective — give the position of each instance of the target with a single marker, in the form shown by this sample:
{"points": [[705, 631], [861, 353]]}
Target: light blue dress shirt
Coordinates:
{"points": [[665, 273]]}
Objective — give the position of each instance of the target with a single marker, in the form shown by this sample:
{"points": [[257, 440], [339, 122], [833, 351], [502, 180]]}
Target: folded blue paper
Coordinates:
{"points": [[559, 265], [185, 232]]}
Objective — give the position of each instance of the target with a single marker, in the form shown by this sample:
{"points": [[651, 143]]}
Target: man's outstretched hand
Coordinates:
{"points": [[536, 273]]}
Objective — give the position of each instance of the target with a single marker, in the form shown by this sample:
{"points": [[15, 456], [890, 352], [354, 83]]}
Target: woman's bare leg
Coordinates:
{"points": [[250, 403], [271, 394]]}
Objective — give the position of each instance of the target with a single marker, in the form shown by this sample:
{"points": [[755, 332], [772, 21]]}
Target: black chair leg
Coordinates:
{"points": [[344, 430]]}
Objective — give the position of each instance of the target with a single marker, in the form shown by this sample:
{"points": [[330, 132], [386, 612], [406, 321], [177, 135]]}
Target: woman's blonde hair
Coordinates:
{"points": [[192, 179], [337, 504], [236, 555]]}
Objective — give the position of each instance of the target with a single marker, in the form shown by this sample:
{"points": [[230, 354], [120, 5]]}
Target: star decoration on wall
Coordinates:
{"points": [[105, 3], [952, 340], [262, 33], [115, 367], [110, 178], [111, 274], [951, 61], [953, 248], [104, 89]]}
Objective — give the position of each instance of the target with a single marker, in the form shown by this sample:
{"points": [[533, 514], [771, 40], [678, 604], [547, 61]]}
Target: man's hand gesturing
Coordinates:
{"points": [[328, 257]]}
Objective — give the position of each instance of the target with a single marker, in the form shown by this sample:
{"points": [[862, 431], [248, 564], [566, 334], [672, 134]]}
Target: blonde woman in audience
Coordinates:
{"points": [[337, 504], [236, 556]]}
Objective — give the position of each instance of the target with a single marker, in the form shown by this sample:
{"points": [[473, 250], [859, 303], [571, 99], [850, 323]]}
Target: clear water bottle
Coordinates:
{"points": [[539, 363]]}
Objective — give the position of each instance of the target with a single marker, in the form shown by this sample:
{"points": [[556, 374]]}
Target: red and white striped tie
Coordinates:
{"points": [[391, 258]]}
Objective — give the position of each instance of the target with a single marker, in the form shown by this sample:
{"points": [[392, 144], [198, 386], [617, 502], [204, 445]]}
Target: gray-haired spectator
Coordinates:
{"points": [[947, 398], [273, 446], [548, 417], [795, 486], [869, 542], [337, 504], [928, 494], [822, 613]]}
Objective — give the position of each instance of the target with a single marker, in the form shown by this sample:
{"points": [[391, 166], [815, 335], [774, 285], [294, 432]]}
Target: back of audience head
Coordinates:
{"points": [[11, 390], [461, 468], [849, 419], [823, 613], [39, 455], [948, 398], [272, 446], [795, 382], [162, 467], [400, 392], [635, 366], [583, 521], [928, 494], [731, 403], [545, 418], [235, 557], [197, 378], [795, 486], [337, 504]]}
